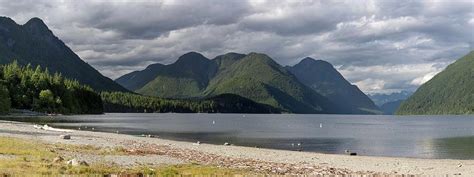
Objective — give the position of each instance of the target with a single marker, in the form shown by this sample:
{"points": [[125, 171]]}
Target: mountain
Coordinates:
{"points": [[186, 78], [260, 78], [390, 108], [254, 76], [322, 77], [449, 92], [33, 43], [381, 98]]}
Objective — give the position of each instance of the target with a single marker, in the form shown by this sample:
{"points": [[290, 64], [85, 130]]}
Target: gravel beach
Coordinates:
{"points": [[146, 150]]}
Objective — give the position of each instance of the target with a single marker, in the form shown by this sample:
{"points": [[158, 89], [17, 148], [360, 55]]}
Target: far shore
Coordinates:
{"points": [[169, 152]]}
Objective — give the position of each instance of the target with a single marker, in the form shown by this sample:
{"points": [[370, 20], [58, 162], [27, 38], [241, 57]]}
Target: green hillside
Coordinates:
{"points": [[449, 92], [254, 76], [322, 77], [185, 78], [38, 90], [261, 79], [33, 43]]}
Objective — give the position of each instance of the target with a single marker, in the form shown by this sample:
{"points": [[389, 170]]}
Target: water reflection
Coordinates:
{"points": [[455, 148]]}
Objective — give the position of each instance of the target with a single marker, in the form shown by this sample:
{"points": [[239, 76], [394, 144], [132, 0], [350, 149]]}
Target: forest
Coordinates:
{"points": [[225, 103], [22, 87]]}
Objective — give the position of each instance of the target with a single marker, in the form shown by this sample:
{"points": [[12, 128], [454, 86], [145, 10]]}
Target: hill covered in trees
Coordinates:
{"points": [[22, 87], [33, 43], [322, 77], [449, 92], [254, 76], [226, 103]]}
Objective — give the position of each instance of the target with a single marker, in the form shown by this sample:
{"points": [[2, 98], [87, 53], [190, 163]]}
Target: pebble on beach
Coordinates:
{"points": [[66, 137]]}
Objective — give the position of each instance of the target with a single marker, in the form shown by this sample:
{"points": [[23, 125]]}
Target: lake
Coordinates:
{"points": [[373, 135]]}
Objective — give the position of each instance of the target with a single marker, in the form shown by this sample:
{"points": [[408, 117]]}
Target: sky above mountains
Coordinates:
{"points": [[381, 46]]}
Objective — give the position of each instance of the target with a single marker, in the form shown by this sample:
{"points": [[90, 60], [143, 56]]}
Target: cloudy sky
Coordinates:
{"points": [[381, 46]]}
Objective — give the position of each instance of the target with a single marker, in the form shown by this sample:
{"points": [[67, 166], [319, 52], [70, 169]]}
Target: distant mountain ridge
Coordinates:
{"points": [[389, 108], [254, 76], [33, 43], [381, 98], [322, 77], [449, 92]]}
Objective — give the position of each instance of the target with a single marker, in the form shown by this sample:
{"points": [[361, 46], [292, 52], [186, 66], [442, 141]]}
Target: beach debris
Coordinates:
{"points": [[65, 137], [197, 143], [58, 159], [83, 163], [226, 144], [73, 162], [47, 127], [350, 153], [150, 136]]}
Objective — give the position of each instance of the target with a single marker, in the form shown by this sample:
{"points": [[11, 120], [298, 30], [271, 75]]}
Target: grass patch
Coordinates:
{"points": [[19, 157]]}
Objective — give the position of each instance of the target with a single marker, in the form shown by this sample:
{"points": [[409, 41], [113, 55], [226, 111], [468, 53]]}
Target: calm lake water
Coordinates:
{"points": [[374, 135]]}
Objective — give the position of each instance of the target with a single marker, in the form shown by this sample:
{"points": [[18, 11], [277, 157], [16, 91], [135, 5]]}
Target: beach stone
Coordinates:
{"points": [[73, 162], [83, 163], [58, 159], [353, 154], [66, 137]]}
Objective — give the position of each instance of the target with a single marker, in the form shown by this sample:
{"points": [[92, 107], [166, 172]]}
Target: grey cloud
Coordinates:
{"points": [[365, 39]]}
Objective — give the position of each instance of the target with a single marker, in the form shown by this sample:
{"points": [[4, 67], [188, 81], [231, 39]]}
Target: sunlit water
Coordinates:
{"points": [[374, 135]]}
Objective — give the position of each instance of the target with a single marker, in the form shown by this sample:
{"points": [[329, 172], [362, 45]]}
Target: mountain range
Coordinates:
{"points": [[312, 86], [449, 92], [33, 43]]}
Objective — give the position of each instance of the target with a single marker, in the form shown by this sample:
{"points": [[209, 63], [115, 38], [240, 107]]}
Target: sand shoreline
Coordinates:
{"points": [[255, 159]]}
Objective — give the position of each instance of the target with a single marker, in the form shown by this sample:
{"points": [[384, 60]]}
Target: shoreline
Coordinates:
{"points": [[239, 157]]}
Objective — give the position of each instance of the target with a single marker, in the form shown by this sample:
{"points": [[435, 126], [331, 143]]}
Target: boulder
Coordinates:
{"points": [[66, 137]]}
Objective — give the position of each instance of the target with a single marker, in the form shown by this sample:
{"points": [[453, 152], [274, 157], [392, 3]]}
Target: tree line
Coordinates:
{"points": [[22, 87], [225, 103], [130, 102]]}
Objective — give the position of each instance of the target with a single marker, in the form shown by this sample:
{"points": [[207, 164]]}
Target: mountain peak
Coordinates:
{"points": [[312, 61], [7, 20], [36, 23], [37, 27], [192, 57]]}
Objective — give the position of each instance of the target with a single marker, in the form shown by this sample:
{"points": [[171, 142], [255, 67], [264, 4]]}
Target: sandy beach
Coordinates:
{"points": [[154, 151]]}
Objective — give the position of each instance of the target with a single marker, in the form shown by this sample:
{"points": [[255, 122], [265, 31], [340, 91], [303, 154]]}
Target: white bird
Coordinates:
{"points": [[320, 125], [213, 122]]}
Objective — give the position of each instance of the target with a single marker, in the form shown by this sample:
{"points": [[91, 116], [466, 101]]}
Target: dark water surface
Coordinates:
{"points": [[375, 135]]}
